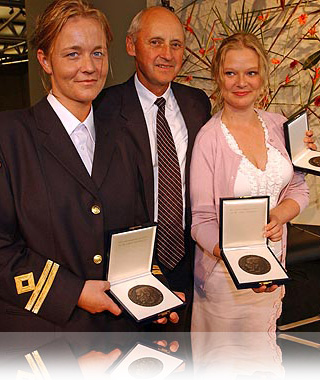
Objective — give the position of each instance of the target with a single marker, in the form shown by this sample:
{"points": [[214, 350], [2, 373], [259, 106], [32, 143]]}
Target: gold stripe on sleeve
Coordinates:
{"points": [[46, 288], [39, 285]]}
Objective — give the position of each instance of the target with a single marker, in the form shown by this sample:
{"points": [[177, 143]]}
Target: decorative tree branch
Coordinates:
{"points": [[166, 4], [287, 29]]}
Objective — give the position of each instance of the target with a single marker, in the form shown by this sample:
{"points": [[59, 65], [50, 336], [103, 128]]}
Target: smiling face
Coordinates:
{"points": [[241, 82], [158, 49], [77, 63]]}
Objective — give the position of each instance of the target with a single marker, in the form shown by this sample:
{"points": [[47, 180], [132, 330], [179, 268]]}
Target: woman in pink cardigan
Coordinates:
{"points": [[239, 152]]}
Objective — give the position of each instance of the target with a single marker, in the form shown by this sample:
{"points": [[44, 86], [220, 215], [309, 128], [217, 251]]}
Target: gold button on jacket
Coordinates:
{"points": [[95, 209], [97, 259]]}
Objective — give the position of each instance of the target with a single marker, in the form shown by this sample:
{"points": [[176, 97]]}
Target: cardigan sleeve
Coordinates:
{"points": [[205, 226], [298, 190]]}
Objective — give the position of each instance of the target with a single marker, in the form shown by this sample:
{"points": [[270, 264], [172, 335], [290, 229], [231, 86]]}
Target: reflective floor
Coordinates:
{"points": [[157, 356]]}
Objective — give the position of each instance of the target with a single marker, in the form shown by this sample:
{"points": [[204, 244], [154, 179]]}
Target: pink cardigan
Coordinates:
{"points": [[214, 168]]}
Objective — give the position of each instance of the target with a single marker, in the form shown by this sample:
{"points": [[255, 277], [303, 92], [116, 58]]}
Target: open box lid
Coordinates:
{"points": [[242, 221], [131, 253], [295, 129], [303, 158]]}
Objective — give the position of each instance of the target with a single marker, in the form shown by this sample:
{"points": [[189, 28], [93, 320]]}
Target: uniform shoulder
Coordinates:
{"points": [[13, 114], [15, 119]]}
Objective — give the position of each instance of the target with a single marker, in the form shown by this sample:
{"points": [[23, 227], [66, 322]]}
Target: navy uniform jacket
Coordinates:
{"points": [[121, 104], [54, 218]]}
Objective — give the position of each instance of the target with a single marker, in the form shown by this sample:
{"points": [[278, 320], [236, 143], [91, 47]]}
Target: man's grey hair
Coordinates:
{"points": [[136, 24]]}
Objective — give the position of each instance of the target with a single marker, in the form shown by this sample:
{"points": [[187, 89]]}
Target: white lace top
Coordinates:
{"points": [[251, 181]]}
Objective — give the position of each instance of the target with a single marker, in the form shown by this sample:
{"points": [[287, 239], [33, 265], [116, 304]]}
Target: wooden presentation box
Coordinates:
{"points": [[132, 283], [244, 249], [302, 157]]}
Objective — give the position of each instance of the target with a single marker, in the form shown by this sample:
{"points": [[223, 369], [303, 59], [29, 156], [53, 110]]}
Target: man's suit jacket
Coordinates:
{"points": [[121, 104], [54, 218]]}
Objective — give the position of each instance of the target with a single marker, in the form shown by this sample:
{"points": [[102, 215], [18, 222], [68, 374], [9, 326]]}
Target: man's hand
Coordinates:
{"points": [[94, 299], [173, 317]]}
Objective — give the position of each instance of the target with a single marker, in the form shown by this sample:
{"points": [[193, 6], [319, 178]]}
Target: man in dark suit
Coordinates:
{"points": [[156, 41]]}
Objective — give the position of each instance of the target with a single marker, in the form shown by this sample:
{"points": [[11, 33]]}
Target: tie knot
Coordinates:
{"points": [[160, 102]]}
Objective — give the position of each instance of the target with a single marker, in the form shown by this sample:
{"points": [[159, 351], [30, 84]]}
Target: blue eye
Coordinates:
{"points": [[73, 54], [98, 54]]}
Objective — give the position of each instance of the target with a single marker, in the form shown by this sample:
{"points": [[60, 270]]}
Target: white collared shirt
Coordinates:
{"points": [[178, 129], [85, 146]]}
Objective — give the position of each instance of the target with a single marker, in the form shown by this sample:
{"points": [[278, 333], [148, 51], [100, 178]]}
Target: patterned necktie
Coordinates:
{"points": [[170, 240]]}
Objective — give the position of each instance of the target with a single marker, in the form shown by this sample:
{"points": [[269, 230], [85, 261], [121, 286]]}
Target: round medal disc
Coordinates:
{"points": [[145, 368], [145, 295], [315, 161], [254, 264]]}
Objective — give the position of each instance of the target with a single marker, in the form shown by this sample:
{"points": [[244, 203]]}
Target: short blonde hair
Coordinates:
{"points": [[52, 20], [237, 41]]}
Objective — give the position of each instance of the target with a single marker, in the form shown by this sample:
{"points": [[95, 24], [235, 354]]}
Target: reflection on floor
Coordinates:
{"points": [[118, 356]]}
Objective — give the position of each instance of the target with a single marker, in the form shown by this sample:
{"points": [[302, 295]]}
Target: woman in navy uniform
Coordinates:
{"points": [[66, 179]]}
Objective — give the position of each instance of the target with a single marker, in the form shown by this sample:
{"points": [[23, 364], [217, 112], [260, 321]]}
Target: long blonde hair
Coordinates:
{"points": [[237, 41]]}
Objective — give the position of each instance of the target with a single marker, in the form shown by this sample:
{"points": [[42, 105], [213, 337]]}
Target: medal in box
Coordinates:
{"points": [[302, 157], [248, 258], [132, 283], [145, 362]]}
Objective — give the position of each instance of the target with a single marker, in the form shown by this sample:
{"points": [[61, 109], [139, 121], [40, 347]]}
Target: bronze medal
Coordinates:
{"points": [[145, 368], [254, 264], [145, 295], [315, 161]]}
